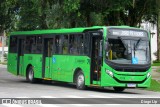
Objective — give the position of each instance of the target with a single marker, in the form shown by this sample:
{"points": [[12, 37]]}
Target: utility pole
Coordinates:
{"points": [[158, 32], [2, 55], [158, 51]]}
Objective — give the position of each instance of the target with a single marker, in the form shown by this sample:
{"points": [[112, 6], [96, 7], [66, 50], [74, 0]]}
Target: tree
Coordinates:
{"points": [[44, 14], [6, 14]]}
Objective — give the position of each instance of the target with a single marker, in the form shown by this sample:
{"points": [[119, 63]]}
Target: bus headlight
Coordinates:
{"points": [[148, 75], [109, 73]]}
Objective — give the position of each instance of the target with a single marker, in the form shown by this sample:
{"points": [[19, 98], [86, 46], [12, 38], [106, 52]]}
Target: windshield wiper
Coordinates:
{"points": [[123, 42], [137, 44]]}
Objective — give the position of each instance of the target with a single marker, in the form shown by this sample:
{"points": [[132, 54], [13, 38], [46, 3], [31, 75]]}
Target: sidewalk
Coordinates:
{"points": [[155, 73]]}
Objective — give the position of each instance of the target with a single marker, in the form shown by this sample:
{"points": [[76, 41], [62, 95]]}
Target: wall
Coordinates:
{"points": [[152, 28]]}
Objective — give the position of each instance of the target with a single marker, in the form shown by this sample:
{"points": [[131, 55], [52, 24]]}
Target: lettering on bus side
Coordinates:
{"points": [[53, 60], [80, 61], [30, 58]]}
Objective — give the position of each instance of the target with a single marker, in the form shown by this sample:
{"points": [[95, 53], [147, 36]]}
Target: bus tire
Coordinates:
{"points": [[119, 89], [30, 75], [80, 81]]}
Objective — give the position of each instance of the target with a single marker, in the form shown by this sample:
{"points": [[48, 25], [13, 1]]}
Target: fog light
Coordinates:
{"points": [[148, 75], [109, 73]]}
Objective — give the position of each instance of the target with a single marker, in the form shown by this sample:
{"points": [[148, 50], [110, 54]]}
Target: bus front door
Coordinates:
{"points": [[96, 59], [47, 58]]}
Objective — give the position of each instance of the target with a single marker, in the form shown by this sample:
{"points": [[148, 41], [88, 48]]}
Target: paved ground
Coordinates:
{"points": [[156, 73], [16, 87]]}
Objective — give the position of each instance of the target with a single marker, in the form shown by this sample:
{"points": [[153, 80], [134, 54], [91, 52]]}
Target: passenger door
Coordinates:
{"points": [[47, 58], [20, 56], [96, 57]]}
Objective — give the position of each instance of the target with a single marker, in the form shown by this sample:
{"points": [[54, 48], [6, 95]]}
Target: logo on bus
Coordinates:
{"points": [[53, 60]]}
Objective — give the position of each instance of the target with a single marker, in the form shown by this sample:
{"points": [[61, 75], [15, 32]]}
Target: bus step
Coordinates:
{"points": [[47, 79], [95, 85]]}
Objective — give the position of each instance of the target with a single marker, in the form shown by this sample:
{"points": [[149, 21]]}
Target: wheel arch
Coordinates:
{"points": [[76, 71], [29, 65]]}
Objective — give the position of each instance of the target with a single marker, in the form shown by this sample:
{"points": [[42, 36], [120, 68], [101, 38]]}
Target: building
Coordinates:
{"points": [[152, 28]]}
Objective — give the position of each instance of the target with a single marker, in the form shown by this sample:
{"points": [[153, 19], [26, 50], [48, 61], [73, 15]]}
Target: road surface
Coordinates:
{"points": [[17, 87]]}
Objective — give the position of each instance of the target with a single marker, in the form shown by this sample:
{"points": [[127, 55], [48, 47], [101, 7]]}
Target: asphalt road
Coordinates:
{"points": [[16, 87]]}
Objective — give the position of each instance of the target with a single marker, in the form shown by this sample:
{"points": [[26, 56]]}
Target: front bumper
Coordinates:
{"points": [[117, 81]]}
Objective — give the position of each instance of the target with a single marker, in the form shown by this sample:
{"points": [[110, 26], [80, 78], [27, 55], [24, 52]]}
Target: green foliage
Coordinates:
{"points": [[71, 5], [56, 17], [155, 85], [6, 14], [156, 63], [28, 15], [44, 14]]}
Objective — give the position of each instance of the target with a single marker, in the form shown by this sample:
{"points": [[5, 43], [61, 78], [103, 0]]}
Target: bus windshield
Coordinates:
{"points": [[128, 50]]}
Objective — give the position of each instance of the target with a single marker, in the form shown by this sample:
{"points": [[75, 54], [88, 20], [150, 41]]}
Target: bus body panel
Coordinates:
{"points": [[48, 67], [64, 66], [35, 60], [12, 63], [21, 66]]}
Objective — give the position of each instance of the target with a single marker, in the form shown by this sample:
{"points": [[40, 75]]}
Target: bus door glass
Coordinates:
{"points": [[47, 55], [96, 57], [20, 56]]}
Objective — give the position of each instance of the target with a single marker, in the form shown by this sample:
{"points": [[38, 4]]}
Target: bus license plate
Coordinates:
{"points": [[131, 85]]}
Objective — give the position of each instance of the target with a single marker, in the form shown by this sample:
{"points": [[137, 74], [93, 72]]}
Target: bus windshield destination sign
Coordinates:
{"points": [[121, 32]]}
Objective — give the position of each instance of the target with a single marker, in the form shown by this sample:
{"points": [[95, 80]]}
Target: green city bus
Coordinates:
{"points": [[99, 56]]}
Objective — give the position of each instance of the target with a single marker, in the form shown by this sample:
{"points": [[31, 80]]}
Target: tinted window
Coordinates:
{"points": [[79, 44], [73, 45], [58, 44], [39, 44], [13, 45], [33, 44], [65, 44], [86, 44], [30, 44]]}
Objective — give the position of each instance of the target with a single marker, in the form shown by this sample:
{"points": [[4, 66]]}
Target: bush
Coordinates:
{"points": [[156, 61]]}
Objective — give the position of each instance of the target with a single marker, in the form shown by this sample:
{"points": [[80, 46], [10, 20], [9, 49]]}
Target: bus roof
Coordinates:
{"points": [[51, 31], [65, 30]]}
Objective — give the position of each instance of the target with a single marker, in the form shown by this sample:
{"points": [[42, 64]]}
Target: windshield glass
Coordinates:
{"points": [[128, 50]]}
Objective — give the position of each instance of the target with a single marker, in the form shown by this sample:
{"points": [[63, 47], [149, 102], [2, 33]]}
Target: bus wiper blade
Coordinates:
{"points": [[137, 44]]}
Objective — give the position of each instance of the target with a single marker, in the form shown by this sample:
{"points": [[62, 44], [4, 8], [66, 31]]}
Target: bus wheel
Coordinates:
{"points": [[30, 75], [119, 89], [80, 81]]}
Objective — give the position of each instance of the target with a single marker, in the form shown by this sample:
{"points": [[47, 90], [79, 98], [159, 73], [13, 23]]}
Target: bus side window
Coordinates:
{"points": [[79, 42], [39, 44], [13, 45], [33, 44], [86, 44], [72, 45], [30, 45], [65, 44], [58, 44], [27, 45]]}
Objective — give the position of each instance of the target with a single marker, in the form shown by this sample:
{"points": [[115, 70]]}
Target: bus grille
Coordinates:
{"points": [[131, 70]]}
